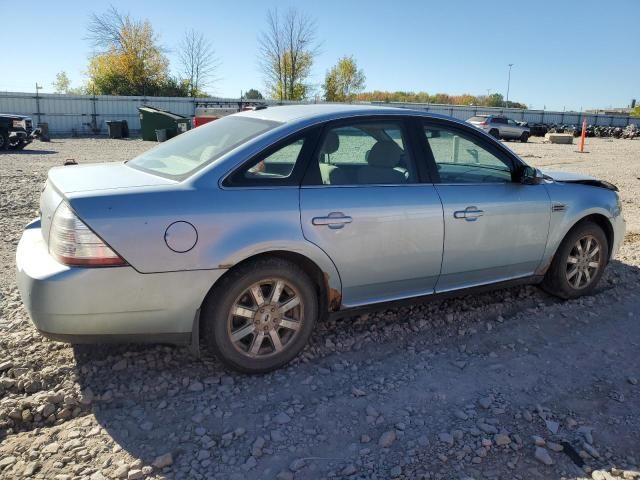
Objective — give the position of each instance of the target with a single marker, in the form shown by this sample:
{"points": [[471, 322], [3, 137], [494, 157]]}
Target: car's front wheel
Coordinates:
{"points": [[260, 316], [524, 137], [579, 263]]}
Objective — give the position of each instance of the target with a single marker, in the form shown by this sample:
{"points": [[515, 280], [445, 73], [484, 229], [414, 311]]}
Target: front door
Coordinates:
{"points": [[365, 203], [495, 227]]}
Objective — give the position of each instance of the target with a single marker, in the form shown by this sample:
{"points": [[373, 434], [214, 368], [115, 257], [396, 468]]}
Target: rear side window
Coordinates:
{"points": [[499, 120], [275, 167], [365, 153]]}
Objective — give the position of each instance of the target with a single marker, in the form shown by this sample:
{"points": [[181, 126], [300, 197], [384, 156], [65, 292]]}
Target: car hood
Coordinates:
{"points": [[570, 177], [101, 176]]}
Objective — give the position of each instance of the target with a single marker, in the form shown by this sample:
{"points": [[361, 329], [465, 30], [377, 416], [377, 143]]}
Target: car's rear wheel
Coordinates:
{"points": [[495, 133], [579, 263], [524, 137], [260, 316]]}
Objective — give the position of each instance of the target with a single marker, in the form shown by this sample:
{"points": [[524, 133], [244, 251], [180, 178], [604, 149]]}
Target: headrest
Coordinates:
{"points": [[385, 155], [331, 143]]}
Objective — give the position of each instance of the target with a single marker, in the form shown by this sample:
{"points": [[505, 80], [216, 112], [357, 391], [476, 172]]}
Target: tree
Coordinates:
{"points": [[253, 94], [635, 112], [287, 50], [129, 59], [62, 84], [495, 100], [343, 81], [198, 62]]}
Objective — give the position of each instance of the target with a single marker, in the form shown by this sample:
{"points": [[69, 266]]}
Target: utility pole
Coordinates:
{"points": [[38, 88], [508, 85]]}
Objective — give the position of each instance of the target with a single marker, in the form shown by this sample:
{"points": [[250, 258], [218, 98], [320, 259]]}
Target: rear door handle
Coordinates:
{"points": [[333, 220], [470, 214]]}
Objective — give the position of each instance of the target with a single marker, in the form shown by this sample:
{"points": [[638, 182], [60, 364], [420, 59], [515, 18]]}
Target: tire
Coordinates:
{"points": [[524, 137], [4, 141], [495, 133], [254, 350], [559, 280]]}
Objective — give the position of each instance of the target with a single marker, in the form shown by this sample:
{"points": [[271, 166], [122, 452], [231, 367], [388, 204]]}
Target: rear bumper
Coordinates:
{"points": [[96, 305]]}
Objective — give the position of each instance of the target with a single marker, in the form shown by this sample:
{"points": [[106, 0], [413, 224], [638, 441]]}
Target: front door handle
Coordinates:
{"points": [[333, 220], [470, 214]]}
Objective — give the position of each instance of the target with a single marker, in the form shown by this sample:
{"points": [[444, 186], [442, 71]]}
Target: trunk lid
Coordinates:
{"points": [[102, 176], [68, 181]]}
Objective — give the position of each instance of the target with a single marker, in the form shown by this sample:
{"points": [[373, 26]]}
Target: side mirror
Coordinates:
{"points": [[531, 176]]}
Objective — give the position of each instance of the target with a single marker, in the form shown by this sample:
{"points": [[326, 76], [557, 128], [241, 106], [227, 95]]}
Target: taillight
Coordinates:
{"points": [[72, 243], [484, 124]]}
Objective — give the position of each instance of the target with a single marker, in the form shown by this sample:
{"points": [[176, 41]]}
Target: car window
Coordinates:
{"points": [[365, 153], [460, 158], [274, 168], [183, 155], [498, 120], [512, 122]]}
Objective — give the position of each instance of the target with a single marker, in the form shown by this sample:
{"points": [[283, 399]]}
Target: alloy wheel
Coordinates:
{"points": [[265, 318], [583, 262]]}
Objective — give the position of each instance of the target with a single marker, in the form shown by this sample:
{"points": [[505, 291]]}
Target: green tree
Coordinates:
{"points": [[253, 94], [129, 59], [495, 100], [62, 84], [636, 112], [343, 81], [286, 52]]}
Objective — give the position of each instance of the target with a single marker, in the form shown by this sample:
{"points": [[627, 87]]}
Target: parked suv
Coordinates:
{"points": [[501, 127], [15, 131]]}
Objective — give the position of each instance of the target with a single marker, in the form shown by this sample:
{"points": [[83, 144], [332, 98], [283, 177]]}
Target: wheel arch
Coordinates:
{"points": [[603, 222], [327, 286]]}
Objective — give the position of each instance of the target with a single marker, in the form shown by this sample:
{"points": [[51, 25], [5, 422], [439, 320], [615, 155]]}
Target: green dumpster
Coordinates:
{"points": [[152, 119]]}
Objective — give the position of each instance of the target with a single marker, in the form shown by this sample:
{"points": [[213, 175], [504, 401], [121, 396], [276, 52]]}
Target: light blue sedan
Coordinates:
{"points": [[248, 230]]}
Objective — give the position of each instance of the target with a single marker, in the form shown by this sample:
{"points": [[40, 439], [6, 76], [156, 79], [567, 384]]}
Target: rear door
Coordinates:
{"points": [[368, 204], [495, 227], [514, 129]]}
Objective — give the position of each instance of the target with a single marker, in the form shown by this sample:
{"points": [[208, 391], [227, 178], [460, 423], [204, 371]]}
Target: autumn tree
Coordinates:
{"points": [[128, 58], [343, 81], [287, 49], [198, 62]]}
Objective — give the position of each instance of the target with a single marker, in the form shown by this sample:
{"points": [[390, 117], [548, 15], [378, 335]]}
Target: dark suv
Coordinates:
{"points": [[15, 131], [501, 127]]}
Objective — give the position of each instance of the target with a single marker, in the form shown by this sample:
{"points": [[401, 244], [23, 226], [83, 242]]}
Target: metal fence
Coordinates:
{"points": [[87, 114]]}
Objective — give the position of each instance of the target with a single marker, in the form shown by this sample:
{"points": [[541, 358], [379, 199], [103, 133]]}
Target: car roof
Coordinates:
{"points": [[322, 112]]}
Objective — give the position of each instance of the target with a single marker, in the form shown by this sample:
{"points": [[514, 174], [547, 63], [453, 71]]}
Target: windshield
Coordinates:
{"points": [[181, 156]]}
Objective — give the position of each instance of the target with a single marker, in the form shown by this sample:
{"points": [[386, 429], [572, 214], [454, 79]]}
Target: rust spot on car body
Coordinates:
{"points": [[334, 296], [225, 265]]}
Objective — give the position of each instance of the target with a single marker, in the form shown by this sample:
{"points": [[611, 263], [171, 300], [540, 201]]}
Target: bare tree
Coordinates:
{"points": [[287, 50], [106, 30], [198, 61]]}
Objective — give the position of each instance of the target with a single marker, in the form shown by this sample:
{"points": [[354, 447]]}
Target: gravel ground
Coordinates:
{"points": [[510, 384]]}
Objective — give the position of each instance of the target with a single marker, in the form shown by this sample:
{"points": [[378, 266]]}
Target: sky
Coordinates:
{"points": [[571, 54]]}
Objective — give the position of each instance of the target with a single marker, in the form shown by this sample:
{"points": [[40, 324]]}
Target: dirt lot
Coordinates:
{"points": [[511, 384]]}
